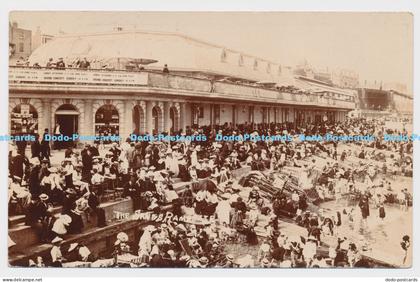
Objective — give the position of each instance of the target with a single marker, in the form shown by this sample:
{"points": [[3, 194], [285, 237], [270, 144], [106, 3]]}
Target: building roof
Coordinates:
{"points": [[178, 51], [317, 86]]}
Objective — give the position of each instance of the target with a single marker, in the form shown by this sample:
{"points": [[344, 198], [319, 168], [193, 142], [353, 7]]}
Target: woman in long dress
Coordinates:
{"points": [[223, 211]]}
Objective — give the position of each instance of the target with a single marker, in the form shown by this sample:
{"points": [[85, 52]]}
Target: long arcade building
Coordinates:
{"points": [[93, 102]]}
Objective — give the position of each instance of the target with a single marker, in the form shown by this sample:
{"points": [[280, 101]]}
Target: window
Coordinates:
{"points": [[21, 47], [216, 111], [107, 120], [197, 113], [24, 119], [201, 112]]}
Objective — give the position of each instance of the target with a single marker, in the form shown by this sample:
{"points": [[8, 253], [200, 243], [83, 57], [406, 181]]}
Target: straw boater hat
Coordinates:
{"points": [[181, 227], [43, 197], [71, 191], [265, 262], [53, 170], [35, 161], [57, 240], [204, 261], [17, 178], [122, 236], [229, 257], [72, 246], [185, 258]]}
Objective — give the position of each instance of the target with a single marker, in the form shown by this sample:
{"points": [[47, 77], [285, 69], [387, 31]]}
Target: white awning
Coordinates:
{"points": [[67, 112]]}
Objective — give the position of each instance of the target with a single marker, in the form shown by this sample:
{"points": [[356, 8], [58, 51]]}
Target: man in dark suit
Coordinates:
{"points": [[60, 64], [38, 216], [21, 146], [34, 180], [36, 148], [45, 146], [19, 165], [87, 161]]}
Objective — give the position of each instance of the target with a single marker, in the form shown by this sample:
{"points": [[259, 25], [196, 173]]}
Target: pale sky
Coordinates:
{"points": [[376, 45]]}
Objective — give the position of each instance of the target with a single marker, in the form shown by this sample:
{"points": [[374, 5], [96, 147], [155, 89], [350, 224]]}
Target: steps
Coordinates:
{"points": [[27, 240], [25, 236], [16, 219]]}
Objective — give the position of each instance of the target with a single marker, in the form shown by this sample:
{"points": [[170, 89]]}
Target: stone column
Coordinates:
{"points": [[127, 127], [185, 115], [252, 115], [234, 115], [46, 122], [149, 117], [275, 110], [166, 117], [87, 123], [211, 116]]}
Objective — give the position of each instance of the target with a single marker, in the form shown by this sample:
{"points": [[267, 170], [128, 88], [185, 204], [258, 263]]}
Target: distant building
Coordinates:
{"points": [[20, 42], [398, 87], [378, 103], [345, 79], [39, 38], [323, 76], [304, 70]]}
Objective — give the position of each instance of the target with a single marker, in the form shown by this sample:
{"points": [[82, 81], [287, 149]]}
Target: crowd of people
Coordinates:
{"points": [[300, 175], [82, 63]]}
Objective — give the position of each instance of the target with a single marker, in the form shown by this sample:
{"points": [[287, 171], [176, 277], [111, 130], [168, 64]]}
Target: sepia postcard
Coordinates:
{"points": [[210, 139]]}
